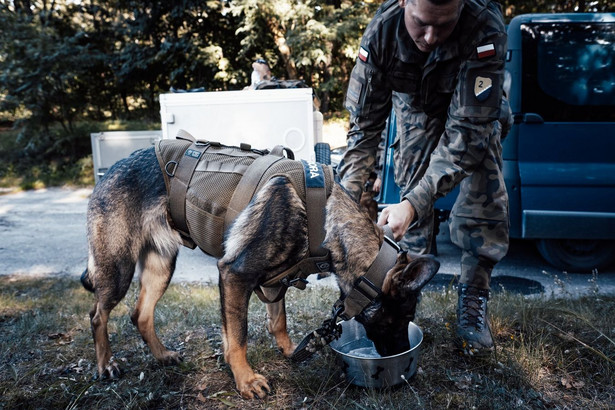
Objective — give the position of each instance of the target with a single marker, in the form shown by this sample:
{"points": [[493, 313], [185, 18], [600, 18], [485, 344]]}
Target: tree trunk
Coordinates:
{"points": [[280, 42]]}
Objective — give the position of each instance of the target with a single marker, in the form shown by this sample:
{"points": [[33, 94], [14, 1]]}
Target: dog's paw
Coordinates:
{"points": [[254, 387], [111, 371], [170, 358]]}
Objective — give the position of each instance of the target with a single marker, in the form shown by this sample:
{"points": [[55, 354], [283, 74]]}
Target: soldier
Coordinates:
{"points": [[260, 72], [440, 65]]}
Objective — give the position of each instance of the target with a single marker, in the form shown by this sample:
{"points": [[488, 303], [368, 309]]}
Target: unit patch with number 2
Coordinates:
{"points": [[482, 88]]}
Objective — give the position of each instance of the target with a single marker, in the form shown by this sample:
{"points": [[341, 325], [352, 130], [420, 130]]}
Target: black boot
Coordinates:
{"points": [[473, 334]]}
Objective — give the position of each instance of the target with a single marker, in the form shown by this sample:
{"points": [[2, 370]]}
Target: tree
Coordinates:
{"points": [[46, 69], [314, 41]]}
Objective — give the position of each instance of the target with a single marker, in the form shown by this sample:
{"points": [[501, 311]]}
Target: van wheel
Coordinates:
{"points": [[577, 255], [323, 153]]}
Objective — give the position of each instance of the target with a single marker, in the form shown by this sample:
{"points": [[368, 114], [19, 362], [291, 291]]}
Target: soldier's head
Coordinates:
{"points": [[430, 22]]}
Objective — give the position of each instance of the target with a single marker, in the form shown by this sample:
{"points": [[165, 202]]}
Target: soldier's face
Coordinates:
{"points": [[428, 24]]}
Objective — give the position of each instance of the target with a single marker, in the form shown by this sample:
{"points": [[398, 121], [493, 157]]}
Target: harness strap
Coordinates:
{"points": [[315, 203], [369, 286], [319, 259], [180, 174], [249, 182], [294, 276]]}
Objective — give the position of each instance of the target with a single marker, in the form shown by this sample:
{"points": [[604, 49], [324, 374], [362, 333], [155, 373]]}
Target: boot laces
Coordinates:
{"points": [[473, 306]]}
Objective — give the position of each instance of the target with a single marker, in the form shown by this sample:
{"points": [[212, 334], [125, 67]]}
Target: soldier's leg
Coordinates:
{"points": [[479, 226], [417, 137], [479, 219]]}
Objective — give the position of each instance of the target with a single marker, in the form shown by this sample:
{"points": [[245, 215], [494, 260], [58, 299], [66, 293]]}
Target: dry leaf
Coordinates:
{"points": [[201, 398], [570, 383]]}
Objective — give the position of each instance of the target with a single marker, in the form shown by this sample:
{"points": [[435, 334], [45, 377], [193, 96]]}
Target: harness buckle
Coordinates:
{"points": [[299, 283], [392, 242], [367, 288]]}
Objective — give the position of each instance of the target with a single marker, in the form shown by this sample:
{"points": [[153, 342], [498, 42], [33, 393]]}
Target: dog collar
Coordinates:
{"points": [[369, 286]]}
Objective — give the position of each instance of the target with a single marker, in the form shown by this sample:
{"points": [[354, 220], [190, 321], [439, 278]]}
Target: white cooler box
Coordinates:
{"points": [[110, 146], [261, 118]]}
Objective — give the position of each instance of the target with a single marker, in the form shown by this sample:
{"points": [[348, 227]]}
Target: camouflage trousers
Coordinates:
{"points": [[479, 219]]}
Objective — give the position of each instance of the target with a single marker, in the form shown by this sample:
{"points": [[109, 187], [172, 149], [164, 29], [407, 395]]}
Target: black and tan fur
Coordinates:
{"points": [[128, 225]]}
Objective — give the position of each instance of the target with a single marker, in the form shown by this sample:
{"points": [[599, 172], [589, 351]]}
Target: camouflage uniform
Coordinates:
{"points": [[450, 111]]}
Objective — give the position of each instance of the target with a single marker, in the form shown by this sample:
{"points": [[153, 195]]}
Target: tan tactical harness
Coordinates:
{"points": [[209, 184]]}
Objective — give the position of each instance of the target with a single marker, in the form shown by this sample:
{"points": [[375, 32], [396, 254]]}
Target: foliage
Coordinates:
{"points": [[312, 40]]}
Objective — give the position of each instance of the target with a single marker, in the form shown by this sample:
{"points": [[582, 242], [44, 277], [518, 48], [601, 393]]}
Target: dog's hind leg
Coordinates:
{"points": [[155, 276], [276, 323], [109, 292]]}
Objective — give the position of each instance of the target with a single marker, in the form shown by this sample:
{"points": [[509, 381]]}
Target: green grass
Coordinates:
{"points": [[551, 353]]}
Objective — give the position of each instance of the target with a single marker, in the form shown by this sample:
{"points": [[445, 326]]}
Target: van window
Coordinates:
{"points": [[568, 71]]}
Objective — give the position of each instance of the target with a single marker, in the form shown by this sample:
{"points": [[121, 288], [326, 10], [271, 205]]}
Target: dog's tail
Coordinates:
{"points": [[86, 281]]}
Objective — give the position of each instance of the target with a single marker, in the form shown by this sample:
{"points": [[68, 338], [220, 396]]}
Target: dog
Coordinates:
{"points": [[128, 225], [367, 200]]}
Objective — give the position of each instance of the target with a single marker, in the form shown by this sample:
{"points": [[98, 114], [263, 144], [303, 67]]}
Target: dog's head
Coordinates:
{"points": [[386, 319]]}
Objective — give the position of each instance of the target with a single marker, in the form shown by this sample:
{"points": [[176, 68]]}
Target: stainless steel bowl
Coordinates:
{"points": [[362, 364]]}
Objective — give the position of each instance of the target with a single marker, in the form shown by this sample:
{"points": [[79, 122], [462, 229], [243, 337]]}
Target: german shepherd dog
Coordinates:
{"points": [[128, 225]]}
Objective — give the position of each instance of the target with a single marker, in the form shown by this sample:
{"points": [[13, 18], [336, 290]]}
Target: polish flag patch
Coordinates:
{"points": [[487, 50], [363, 54]]}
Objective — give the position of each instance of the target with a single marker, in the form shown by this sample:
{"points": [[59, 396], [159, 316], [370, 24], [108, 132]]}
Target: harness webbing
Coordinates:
{"points": [[247, 185], [182, 175]]}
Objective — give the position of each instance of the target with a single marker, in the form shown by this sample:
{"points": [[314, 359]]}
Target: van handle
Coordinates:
{"points": [[532, 118]]}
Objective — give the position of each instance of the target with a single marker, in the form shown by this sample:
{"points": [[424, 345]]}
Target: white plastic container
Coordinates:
{"points": [[110, 146], [261, 118]]}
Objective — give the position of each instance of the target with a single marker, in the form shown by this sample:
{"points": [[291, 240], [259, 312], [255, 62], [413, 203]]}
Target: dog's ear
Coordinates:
{"points": [[409, 275]]}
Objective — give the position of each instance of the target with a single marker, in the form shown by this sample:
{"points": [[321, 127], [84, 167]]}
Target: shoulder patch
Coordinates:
{"points": [[485, 51], [363, 54], [482, 88]]}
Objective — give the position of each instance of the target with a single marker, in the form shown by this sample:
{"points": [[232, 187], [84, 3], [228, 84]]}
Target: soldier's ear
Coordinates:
{"points": [[402, 3]]}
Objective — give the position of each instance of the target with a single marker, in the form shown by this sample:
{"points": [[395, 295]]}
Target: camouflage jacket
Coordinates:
{"points": [[460, 82]]}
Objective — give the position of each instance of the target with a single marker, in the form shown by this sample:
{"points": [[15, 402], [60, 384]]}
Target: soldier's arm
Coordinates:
{"points": [[471, 122], [368, 100]]}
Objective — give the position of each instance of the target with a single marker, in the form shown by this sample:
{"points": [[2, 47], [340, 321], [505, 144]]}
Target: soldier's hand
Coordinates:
{"points": [[377, 185], [399, 217]]}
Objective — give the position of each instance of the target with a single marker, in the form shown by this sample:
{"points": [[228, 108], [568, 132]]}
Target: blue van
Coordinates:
{"points": [[559, 157]]}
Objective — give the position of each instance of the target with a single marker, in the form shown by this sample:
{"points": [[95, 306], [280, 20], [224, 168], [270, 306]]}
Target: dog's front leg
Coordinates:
{"points": [[276, 323], [234, 298]]}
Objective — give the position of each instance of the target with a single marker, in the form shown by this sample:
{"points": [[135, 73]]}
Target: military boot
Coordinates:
{"points": [[473, 334]]}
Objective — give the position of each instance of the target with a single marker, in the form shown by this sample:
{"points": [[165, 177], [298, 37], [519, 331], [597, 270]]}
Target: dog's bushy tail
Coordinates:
{"points": [[86, 281]]}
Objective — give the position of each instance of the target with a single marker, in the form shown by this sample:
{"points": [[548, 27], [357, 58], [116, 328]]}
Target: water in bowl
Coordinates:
{"points": [[362, 347]]}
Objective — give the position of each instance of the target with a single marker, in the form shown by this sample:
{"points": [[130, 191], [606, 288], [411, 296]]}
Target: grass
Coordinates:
{"points": [[551, 353]]}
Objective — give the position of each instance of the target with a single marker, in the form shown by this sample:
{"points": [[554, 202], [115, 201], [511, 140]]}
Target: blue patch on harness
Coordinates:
{"points": [[314, 174], [193, 153]]}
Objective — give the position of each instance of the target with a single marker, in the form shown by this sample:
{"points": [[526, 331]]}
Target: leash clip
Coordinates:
{"points": [[338, 310]]}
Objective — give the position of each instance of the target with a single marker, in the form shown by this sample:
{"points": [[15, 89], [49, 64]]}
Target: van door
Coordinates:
{"points": [[566, 140]]}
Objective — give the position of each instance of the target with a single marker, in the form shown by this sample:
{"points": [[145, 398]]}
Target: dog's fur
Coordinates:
{"points": [[128, 225]]}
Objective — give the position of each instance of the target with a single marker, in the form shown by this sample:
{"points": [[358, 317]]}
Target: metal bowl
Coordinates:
{"points": [[365, 367]]}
